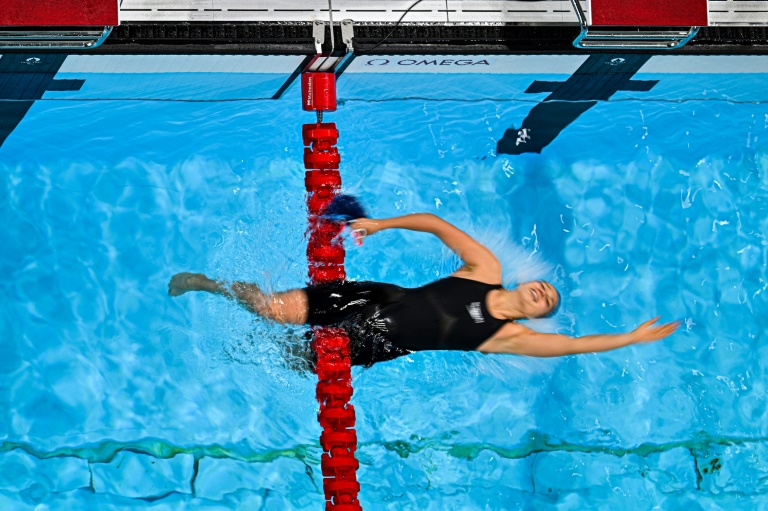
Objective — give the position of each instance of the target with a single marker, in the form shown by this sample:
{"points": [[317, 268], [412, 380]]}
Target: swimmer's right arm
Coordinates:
{"points": [[470, 251], [535, 344]]}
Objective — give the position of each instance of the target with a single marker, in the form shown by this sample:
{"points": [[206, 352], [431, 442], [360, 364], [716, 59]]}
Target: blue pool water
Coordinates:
{"points": [[115, 396]]}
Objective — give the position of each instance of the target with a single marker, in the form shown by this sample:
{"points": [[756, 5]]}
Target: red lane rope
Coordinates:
{"points": [[325, 255]]}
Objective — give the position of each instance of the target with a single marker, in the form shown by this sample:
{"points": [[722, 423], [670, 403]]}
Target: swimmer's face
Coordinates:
{"points": [[539, 298]]}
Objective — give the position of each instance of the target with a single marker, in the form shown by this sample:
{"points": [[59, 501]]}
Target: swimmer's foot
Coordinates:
{"points": [[183, 282]]}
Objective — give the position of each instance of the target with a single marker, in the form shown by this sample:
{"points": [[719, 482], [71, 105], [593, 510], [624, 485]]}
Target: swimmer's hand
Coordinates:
{"points": [[368, 225], [362, 227], [649, 333]]}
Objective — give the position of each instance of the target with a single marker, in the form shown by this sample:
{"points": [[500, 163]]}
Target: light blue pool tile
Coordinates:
{"points": [[86, 500], [702, 501], [434, 479], [218, 479], [20, 471], [491, 470], [568, 471], [627, 482], [11, 500], [735, 469], [672, 471], [140, 476]]}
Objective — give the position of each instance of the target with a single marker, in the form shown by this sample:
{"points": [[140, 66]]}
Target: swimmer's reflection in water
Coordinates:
{"points": [[469, 310]]}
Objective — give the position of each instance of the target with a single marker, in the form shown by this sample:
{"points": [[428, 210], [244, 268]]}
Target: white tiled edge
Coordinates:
{"points": [[445, 64]]}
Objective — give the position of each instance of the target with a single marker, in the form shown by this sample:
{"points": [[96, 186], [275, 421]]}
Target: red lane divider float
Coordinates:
{"points": [[325, 254]]}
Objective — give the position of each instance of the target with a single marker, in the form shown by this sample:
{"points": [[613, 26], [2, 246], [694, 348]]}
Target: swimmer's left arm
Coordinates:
{"points": [[477, 258], [535, 344]]}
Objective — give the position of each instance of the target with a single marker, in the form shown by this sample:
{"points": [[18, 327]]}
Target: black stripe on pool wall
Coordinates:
{"points": [[24, 78], [293, 77], [597, 79]]}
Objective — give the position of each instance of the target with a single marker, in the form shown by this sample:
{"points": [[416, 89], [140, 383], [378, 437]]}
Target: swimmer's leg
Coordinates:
{"points": [[285, 307]]}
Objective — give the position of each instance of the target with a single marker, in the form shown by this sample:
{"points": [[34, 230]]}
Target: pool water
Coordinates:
{"points": [[649, 202]]}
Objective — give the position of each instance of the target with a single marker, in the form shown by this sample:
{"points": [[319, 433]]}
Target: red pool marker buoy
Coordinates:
{"points": [[318, 92], [325, 256]]}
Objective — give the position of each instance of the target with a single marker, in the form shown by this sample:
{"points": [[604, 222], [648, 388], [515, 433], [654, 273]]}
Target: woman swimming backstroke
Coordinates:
{"points": [[469, 310]]}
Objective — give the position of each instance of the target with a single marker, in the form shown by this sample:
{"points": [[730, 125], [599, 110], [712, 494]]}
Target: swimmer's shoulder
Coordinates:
{"points": [[500, 341], [486, 275]]}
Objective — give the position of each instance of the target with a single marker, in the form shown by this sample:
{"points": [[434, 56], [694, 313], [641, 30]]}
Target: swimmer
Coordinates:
{"points": [[469, 310]]}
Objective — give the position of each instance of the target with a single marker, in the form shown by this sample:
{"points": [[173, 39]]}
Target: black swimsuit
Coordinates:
{"points": [[386, 321]]}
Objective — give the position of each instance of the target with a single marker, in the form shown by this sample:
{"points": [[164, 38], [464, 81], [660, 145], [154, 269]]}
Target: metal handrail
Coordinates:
{"points": [[621, 40], [53, 39], [640, 35], [630, 45], [580, 14]]}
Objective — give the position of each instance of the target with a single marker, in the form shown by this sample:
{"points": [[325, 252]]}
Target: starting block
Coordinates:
{"points": [[658, 24], [56, 24]]}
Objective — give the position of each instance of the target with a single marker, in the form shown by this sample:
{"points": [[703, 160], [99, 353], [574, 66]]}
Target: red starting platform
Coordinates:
{"points": [[656, 24], [56, 24], [652, 13], [58, 13]]}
